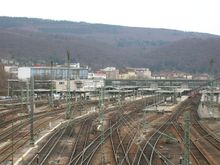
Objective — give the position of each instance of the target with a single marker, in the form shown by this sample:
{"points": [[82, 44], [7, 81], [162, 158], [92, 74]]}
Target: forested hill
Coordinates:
{"points": [[100, 45]]}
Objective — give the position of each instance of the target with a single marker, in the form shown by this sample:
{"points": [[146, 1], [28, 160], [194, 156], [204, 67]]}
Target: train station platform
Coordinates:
{"points": [[164, 106]]}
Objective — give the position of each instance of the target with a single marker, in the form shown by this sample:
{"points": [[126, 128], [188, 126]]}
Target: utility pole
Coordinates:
{"points": [[211, 102], [174, 96], [30, 106], [32, 111], [68, 105], [119, 97], [145, 114], [8, 92], [22, 96], [186, 154], [51, 85], [12, 141], [101, 119], [28, 95], [155, 101], [211, 78]]}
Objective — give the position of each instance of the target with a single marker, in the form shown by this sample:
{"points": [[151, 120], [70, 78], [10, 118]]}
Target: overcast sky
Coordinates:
{"points": [[187, 15]]}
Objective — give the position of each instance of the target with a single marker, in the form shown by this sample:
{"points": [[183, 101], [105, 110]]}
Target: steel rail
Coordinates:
{"points": [[195, 150], [147, 151], [204, 132], [8, 132], [45, 151], [82, 138], [17, 144]]}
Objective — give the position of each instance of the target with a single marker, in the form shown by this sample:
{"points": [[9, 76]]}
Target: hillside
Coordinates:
{"points": [[99, 45], [189, 54]]}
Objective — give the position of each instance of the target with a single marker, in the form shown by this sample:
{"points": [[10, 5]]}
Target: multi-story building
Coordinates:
{"points": [[111, 73], [127, 74], [55, 73], [135, 73], [97, 75], [142, 72], [11, 70]]}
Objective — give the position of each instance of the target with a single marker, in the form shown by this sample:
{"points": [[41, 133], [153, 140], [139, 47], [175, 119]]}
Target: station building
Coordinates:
{"points": [[78, 85]]}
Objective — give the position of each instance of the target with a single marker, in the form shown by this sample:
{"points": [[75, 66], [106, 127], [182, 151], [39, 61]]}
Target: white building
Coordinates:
{"points": [[24, 73], [190, 77], [111, 72], [141, 72], [11, 70], [57, 73]]}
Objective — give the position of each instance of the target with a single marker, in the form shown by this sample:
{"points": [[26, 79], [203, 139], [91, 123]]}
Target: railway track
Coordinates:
{"points": [[20, 139], [25, 121], [206, 140], [95, 145], [19, 118], [146, 152], [195, 151], [123, 142], [197, 154], [82, 139], [43, 154], [204, 132], [125, 115], [89, 149], [121, 145], [7, 112], [84, 149]]}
